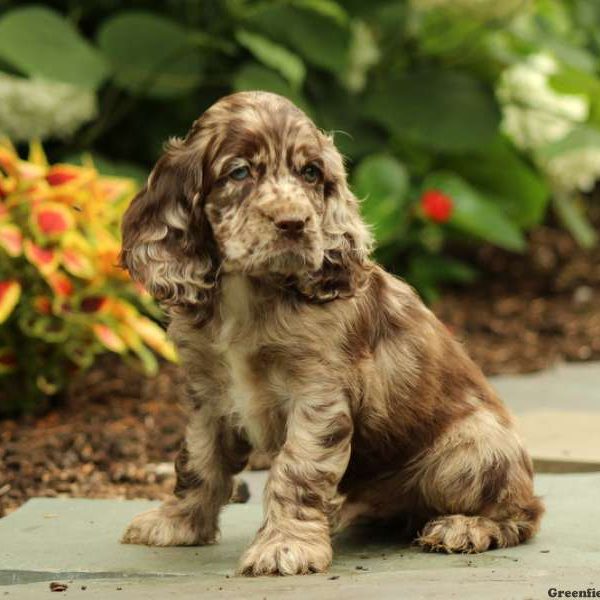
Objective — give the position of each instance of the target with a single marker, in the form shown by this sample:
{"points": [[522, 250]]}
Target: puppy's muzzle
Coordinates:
{"points": [[291, 223], [292, 227]]}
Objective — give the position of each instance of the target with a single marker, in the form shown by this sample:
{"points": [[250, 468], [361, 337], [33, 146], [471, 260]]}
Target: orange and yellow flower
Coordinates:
{"points": [[77, 264], [61, 285], [45, 259], [109, 338], [11, 239], [154, 337], [10, 292], [64, 220], [51, 219]]}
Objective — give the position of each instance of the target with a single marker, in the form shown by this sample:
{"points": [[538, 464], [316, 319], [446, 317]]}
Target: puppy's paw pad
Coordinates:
{"points": [[285, 557]]}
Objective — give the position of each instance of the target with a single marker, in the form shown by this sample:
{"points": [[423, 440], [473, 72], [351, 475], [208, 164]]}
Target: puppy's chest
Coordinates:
{"points": [[257, 391]]}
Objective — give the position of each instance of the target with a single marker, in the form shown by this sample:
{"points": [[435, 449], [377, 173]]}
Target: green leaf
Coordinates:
{"points": [[441, 33], [583, 136], [427, 271], [253, 76], [575, 81], [340, 113], [317, 37], [275, 56], [39, 42], [587, 14], [474, 213], [516, 187], [441, 110], [572, 214], [147, 358], [151, 55], [327, 8], [382, 183], [368, 9]]}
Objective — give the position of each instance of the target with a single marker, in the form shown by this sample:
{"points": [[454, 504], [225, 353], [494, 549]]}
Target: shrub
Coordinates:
{"points": [[490, 104], [63, 300]]}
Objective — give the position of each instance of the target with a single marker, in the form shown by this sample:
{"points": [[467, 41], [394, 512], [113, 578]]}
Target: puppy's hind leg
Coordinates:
{"points": [[212, 453], [477, 485]]}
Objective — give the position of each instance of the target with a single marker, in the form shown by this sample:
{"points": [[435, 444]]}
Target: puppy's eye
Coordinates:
{"points": [[240, 173], [311, 173]]}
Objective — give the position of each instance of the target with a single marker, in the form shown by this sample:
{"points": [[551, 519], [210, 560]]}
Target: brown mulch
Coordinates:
{"points": [[529, 312], [110, 439], [117, 432]]}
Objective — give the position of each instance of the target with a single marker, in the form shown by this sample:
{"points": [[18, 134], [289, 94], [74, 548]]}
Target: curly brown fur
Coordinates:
{"points": [[296, 344]]}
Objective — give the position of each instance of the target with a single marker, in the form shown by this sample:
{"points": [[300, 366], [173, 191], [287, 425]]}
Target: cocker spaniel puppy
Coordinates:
{"points": [[295, 343]]}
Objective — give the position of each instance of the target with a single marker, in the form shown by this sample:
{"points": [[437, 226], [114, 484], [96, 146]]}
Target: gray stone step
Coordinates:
{"points": [[558, 413], [74, 539]]}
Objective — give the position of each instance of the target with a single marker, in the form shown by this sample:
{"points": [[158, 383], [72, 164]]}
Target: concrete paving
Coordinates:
{"points": [[558, 413], [76, 541]]}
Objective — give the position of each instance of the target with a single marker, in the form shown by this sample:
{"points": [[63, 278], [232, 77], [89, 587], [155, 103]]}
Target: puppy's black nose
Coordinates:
{"points": [[290, 226]]}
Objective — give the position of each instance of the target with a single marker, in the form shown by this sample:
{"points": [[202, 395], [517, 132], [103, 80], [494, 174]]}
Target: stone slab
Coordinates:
{"points": [[558, 413], [572, 387], [74, 539], [438, 584]]}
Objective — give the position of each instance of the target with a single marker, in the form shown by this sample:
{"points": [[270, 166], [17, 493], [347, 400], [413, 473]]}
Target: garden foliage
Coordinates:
{"points": [[462, 121], [63, 299], [493, 105]]}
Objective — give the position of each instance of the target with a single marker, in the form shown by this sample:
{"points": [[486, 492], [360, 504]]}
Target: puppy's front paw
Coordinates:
{"points": [[156, 527], [276, 555]]}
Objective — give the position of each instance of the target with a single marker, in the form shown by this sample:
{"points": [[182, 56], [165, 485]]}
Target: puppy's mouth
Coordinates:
{"points": [[288, 258], [291, 244], [280, 255]]}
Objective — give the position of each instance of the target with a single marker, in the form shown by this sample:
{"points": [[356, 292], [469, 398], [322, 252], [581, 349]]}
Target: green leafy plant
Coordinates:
{"points": [[63, 300], [491, 105]]}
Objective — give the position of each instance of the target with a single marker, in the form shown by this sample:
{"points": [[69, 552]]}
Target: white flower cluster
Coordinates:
{"points": [[364, 53], [533, 114], [481, 10], [35, 108], [576, 169]]}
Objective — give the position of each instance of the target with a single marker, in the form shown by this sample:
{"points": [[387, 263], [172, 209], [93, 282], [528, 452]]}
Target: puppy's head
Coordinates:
{"points": [[253, 188]]}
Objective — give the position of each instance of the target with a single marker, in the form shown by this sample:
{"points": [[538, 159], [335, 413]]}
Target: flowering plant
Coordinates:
{"points": [[35, 108], [462, 120], [436, 206], [63, 299], [558, 128]]}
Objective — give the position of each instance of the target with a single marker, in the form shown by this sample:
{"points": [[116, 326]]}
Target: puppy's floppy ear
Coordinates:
{"points": [[347, 240], [167, 242]]}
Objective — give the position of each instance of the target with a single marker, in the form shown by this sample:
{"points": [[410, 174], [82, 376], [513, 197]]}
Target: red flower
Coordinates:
{"points": [[60, 284], [437, 206], [51, 222], [52, 219], [59, 177]]}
